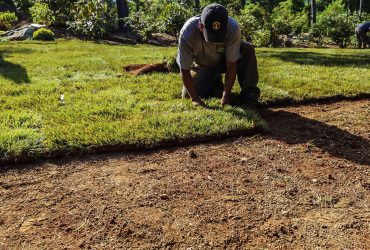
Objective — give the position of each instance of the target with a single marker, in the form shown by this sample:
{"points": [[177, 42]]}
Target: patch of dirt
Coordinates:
{"points": [[142, 69], [303, 185]]}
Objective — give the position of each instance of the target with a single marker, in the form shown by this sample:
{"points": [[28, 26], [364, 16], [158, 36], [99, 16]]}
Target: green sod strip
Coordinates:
{"points": [[104, 106]]}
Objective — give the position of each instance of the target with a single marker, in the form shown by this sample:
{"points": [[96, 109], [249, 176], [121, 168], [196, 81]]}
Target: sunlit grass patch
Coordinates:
{"points": [[303, 74], [103, 106]]}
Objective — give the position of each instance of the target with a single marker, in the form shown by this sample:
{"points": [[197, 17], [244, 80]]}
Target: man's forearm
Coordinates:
{"points": [[230, 77], [188, 81]]}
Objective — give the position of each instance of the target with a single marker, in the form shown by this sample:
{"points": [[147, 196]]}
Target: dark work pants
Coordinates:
{"points": [[208, 81], [361, 38]]}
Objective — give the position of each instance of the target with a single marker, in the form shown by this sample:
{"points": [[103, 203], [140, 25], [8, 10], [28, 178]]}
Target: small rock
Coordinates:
{"points": [[82, 244], [284, 212], [192, 154], [164, 196], [314, 180], [331, 177]]}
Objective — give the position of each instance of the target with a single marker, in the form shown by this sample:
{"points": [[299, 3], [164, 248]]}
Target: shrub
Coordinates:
{"points": [[93, 18], [60, 9], [336, 23], [253, 18], [142, 25], [41, 13], [286, 20], [158, 17], [261, 38], [282, 17], [300, 22], [7, 20], [43, 35], [172, 18]]}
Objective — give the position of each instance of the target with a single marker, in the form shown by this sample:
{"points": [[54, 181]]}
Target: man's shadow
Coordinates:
{"points": [[14, 72], [295, 129]]}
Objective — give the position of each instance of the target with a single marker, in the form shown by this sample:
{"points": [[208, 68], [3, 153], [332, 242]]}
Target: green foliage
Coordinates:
{"points": [[286, 20], [253, 21], [42, 14], [43, 34], [261, 38], [282, 17], [172, 17], [61, 10], [234, 6], [336, 23], [258, 19], [92, 18], [262, 28], [141, 24], [7, 20], [158, 17]]}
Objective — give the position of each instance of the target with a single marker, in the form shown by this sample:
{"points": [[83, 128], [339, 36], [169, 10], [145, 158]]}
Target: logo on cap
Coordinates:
{"points": [[216, 25]]}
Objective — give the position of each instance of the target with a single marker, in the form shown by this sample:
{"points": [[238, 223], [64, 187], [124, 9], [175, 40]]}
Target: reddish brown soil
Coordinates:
{"points": [[142, 69], [305, 184]]}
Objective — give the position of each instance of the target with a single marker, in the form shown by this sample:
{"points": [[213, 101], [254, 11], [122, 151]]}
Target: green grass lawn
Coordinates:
{"points": [[105, 106]]}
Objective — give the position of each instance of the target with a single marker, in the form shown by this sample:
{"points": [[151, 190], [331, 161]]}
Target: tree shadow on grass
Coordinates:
{"points": [[313, 58], [12, 71], [295, 129]]}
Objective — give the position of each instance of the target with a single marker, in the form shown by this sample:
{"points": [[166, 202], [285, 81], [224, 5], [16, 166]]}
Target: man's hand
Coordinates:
{"points": [[198, 102], [190, 87], [225, 100]]}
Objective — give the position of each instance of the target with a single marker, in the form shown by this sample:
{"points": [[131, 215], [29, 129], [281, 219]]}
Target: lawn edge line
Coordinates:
{"points": [[289, 102], [129, 148], [176, 142]]}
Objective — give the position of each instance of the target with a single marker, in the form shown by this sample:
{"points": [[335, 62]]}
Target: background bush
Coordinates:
{"points": [[158, 17], [254, 22], [43, 35], [264, 23], [92, 18], [7, 20], [172, 17], [335, 22], [41, 13]]}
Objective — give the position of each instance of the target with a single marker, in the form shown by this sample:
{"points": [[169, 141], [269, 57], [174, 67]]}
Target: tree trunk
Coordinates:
{"points": [[243, 3], [313, 12], [122, 9], [360, 7]]}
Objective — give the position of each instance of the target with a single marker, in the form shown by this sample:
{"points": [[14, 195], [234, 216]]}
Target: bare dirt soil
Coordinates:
{"points": [[306, 184], [142, 69]]}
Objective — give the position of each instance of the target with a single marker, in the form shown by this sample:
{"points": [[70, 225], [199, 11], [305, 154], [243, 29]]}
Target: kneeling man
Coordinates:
{"points": [[210, 45]]}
